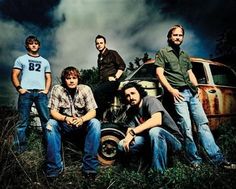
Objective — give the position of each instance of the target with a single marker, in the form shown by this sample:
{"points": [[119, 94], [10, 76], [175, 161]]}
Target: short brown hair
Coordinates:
{"points": [[31, 39], [69, 71]]}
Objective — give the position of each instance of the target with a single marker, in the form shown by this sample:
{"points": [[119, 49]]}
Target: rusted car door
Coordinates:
{"points": [[217, 90]]}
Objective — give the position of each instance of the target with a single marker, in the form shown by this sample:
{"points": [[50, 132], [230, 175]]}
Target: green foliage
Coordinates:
{"points": [[227, 139], [133, 66], [25, 170], [89, 76]]}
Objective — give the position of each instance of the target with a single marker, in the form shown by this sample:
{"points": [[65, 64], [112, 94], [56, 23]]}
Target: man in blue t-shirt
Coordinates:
{"points": [[31, 76]]}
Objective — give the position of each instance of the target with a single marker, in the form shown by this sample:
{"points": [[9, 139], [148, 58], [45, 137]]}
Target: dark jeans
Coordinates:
{"points": [[25, 103], [160, 142], [104, 93], [54, 132]]}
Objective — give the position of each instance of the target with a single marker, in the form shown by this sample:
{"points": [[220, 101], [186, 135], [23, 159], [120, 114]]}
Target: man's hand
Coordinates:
{"points": [[127, 140], [44, 91], [69, 120], [23, 91], [111, 78], [77, 121], [178, 97]]}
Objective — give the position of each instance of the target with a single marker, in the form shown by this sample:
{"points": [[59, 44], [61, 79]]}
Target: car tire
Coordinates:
{"points": [[111, 134]]}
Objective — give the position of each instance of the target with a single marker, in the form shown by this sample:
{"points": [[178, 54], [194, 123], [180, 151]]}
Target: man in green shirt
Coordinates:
{"points": [[174, 70]]}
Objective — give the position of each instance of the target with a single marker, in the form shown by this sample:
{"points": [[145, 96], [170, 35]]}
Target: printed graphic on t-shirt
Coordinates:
{"points": [[34, 65]]}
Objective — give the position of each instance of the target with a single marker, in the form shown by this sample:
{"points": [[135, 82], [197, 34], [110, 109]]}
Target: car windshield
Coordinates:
{"points": [[144, 72]]}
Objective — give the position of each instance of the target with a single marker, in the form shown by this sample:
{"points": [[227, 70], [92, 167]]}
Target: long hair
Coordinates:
{"points": [[67, 72], [137, 86], [31, 39], [171, 30]]}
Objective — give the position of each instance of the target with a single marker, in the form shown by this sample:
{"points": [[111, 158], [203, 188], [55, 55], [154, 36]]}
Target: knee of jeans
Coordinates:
{"points": [[203, 127], [52, 125], [120, 145], [155, 132], [95, 124]]}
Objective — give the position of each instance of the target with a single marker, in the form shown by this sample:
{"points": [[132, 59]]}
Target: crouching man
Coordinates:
{"points": [[149, 123], [73, 109]]}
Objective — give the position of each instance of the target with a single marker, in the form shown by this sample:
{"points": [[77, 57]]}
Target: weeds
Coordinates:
{"points": [[25, 170]]}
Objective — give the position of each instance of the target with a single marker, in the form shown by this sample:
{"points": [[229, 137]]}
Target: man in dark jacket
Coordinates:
{"points": [[111, 67]]}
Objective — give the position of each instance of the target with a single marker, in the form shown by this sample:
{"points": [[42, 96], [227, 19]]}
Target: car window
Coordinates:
{"points": [[147, 71], [199, 72], [223, 75]]}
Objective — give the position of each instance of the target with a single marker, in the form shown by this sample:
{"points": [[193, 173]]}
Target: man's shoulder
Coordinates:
{"points": [[150, 100], [112, 51], [165, 49], [84, 87], [22, 57], [148, 97], [42, 59], [58, 87]]}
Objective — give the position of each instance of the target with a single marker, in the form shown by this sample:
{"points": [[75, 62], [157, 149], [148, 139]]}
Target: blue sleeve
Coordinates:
{"points": [[47, 68], [18, 64]]}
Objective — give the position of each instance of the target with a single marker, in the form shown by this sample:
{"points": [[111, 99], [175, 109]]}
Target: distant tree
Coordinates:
{"points": [[131, 67], [89, 76], [145, 57], [226, 44], [137, 61], [226, 47]]}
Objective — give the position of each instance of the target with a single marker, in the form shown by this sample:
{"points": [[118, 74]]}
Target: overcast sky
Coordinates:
{"points": [[67, 29]]}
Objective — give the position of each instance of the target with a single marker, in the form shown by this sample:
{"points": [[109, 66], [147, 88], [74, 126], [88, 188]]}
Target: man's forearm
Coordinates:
{"points": [[192, 78], [163, 80], [89, 115], [154, 121], [118, 74], [57, 116], [15, 77], [48, 82]]}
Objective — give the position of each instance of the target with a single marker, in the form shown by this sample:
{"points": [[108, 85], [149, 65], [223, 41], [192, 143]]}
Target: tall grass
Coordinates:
{"points": [[26, 170]]}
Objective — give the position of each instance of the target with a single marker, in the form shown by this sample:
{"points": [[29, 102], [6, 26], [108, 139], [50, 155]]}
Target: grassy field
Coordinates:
{"points": [[25, 170]]}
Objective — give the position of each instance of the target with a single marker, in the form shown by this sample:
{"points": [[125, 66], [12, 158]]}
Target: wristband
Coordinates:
{"points": [[18, 88], [65, 118], [132, 133]]}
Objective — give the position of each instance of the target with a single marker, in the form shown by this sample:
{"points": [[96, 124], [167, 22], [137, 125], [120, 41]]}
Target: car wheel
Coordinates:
{"points": [[108, 149]]}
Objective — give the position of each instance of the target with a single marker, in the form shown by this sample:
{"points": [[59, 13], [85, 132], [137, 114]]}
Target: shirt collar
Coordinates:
{"points": [[105, 52], [169, 48], [77, 89]]}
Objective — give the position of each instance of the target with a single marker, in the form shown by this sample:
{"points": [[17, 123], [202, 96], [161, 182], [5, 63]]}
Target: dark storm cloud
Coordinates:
{"points": [[67, 29], [37, 12], [208, 18]]}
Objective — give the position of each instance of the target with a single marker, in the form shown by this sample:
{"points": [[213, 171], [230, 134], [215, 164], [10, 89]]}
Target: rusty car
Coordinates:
{"points": [[217, 93]]}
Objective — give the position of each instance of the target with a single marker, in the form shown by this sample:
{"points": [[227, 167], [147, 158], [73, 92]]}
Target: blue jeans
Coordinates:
{"points": [[192, 106], [161, 141], [54, 162], [25, 103]]}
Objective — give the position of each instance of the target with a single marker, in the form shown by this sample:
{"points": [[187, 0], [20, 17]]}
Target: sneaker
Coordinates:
{"points": [[55, 175], [195, 165], [228, 165]]}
